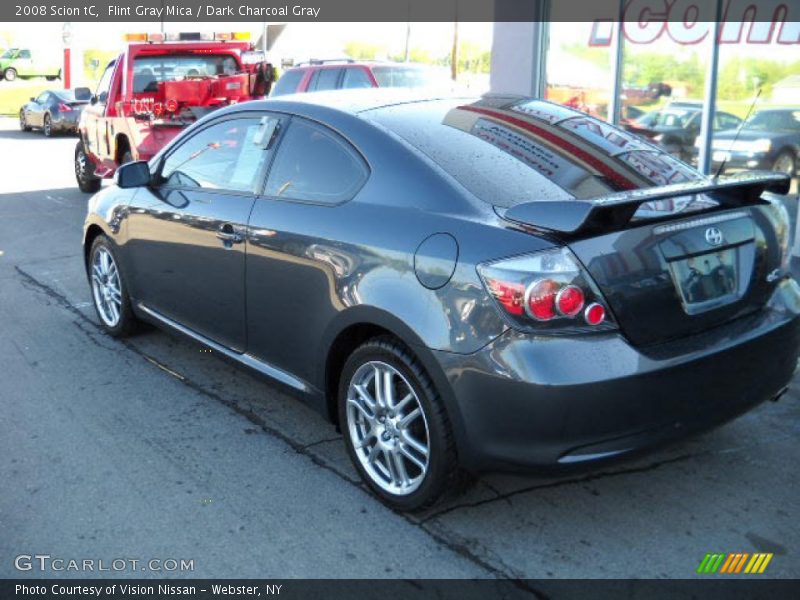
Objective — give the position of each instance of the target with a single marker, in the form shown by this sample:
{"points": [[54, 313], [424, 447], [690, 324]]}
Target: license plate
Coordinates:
{"points": [[707, 280], [720, 156]]}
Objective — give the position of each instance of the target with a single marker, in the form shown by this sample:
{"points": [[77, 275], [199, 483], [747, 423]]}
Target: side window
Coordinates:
{"points": [[314, 164], [324, 79], [356, 77], [24, 54], [727, 121], [105, 83], [225, 156], [288, 83], [42, 98]]}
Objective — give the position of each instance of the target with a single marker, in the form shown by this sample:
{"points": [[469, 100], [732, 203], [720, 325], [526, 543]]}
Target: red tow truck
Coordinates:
{"points": [[157, 86]]}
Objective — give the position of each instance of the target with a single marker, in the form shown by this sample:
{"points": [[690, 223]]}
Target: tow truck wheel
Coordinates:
{"points": [[87, 182], [23, 123], [47, 128], [10, 74]]}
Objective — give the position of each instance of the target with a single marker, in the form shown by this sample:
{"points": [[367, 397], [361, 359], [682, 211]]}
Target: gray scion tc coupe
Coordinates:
{"points": [[458, 284]]}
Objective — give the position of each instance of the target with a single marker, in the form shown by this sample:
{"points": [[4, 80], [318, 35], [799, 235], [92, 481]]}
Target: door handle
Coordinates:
{"points": [[228, 234]]}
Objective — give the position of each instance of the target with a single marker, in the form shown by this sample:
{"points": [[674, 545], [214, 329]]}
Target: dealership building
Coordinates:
{"points": [[705, 76]]}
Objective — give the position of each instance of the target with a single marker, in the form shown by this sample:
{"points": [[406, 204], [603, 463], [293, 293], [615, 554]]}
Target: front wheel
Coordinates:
{"points": [[87, 182], [10, 74], [109, 291], [395, 426], [23, 122], [785, 163]]}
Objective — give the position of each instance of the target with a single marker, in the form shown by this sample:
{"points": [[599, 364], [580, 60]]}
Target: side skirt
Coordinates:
{"points": [[247, 360]]}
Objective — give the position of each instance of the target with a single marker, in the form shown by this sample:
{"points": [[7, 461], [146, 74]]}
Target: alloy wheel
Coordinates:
{"points": [[80, 165], [106, 287], [388, 428], [48, 127]]}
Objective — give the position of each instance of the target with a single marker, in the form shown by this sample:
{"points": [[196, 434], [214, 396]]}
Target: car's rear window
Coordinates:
{"points": [[530, 151], [149, 70], [407, 77], [288, 82]]}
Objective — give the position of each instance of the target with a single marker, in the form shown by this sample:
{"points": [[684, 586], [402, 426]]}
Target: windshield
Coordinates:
{"points": [[774, 120], [10, 53], [673, 118], [148, 71], [408, 77]]}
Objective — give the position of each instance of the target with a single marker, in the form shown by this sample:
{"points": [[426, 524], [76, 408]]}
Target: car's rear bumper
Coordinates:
{"points": [[528, 401], [66, 121]]}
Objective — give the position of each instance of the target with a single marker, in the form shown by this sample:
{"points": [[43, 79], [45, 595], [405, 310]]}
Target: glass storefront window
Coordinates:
{"points": [[578, 74], [763, 81]]}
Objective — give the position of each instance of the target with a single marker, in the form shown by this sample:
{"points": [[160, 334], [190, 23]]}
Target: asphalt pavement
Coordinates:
{"points": [[151, 448]]}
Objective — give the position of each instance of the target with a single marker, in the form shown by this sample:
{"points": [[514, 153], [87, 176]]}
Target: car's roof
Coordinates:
{"points": [[345, 62], [358, 100]]}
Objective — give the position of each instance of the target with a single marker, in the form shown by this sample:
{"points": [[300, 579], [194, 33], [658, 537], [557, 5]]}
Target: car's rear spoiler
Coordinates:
{"points": [[614, 212]]}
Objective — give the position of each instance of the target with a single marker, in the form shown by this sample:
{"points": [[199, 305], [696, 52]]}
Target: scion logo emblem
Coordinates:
{"points": [[714, 236]]}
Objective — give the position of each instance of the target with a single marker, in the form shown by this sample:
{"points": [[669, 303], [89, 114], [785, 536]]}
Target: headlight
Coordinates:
{"points": [[762, 145], [658, 138]]}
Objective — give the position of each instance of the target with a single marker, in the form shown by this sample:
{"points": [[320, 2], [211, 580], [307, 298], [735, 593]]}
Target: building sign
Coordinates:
{"points": [[689, 22]]}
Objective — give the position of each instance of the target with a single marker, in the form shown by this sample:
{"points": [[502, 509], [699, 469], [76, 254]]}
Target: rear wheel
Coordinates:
{"points": [[10, 74], [84, 175], [109, 291], [47, 126], [395, 427], [51, 77], [23, 122]]}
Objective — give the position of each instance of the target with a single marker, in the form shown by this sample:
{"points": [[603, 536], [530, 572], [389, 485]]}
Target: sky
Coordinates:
{"points": [[436, 38]]}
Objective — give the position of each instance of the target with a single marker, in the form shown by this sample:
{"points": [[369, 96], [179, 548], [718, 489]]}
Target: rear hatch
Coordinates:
{"points": [[668, 277], [675, 278]]}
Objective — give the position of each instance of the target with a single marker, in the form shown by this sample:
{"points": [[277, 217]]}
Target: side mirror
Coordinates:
{"points": [[133, 174], [82, 93]]}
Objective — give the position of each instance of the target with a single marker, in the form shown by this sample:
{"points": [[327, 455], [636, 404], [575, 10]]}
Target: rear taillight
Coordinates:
{"points": [[64, 107], [781, 223], [546, 291]]}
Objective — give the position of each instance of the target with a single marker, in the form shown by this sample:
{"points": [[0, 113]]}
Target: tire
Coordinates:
{"points": [[10, 74], [87, 182], [23, 123], [109, 291], [785, 163], [47, 126], [374, 441]]}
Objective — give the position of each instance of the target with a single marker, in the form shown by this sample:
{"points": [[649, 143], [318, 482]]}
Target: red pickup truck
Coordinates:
{"points": [[157, 86]]}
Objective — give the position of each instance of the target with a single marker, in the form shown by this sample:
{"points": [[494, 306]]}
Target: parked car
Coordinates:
{"points": [[677, 126], [770, 139], [54, 111], [322, 75], [26, 63], [459, 284]]}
